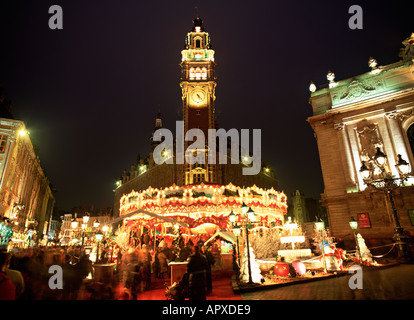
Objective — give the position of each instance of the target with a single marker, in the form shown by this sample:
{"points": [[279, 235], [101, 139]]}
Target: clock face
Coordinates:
{"points": [[198, 96]]}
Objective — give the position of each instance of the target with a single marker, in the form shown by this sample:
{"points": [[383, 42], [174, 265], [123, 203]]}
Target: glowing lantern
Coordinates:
{"points": [[299, 267], [281, 269]]}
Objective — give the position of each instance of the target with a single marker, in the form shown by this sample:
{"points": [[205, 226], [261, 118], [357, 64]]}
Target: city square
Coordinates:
{"points": [[160, 152]]}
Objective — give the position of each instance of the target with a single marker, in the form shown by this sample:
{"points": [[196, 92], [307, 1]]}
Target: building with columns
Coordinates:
{"points": [[352, 120], [26, 196]]}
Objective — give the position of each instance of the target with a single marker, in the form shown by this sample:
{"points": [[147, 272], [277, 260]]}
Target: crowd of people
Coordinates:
{"points": [[25, 273]]}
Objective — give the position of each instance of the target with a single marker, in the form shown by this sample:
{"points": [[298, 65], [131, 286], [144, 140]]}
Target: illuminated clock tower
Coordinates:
{"points": [[197, 80], [198, 93]]}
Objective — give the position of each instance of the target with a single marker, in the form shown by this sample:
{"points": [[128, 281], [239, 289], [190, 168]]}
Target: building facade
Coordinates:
{"points": [[352, 120], [198, 83], [303, 209], [27, 198]]}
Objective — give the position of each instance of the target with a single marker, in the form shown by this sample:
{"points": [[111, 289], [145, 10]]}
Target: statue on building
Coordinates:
{"points": [[407, 53], [369, 138]]}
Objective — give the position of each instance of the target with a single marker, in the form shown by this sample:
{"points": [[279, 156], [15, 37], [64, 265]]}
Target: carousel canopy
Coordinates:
{"points": [[151, 214]]}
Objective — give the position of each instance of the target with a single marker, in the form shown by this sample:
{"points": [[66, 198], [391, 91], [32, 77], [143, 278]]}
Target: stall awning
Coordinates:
{"points": [[154, 215], [226, 235]]}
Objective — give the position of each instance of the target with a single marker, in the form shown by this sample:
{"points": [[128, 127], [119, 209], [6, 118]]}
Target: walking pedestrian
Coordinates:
{"points": [[197, 268], [211, 260], [7, 288], [145, 267], [162, 258]]}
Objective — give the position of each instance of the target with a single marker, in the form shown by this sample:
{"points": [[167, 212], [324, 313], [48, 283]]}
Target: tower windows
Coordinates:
{"points": [[204, 73], [198, 43], [198, 73]]}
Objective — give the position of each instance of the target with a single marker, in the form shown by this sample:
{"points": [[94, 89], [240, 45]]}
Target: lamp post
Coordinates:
{"points": [[354, 226], [84, 225], [320, 226], [236, 231], [249, 216], [74, 225], [376, 175]]}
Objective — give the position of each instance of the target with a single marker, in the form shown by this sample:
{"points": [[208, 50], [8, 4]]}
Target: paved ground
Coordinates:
{"points": [[395, 283]]}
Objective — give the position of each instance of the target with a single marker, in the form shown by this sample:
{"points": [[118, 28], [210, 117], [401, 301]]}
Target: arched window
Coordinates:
{"points": [[410, 135], [192, 73], [204, 73], [198, 43], [198, 74]]}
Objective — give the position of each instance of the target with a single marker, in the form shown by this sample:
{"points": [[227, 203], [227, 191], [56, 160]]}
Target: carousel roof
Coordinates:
{"points": [[151, 214]]}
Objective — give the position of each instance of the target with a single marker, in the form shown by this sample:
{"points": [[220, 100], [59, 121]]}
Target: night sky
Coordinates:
{"points": [[89, 93]]}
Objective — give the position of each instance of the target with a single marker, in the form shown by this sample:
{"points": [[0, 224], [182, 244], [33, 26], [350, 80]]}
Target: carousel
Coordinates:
{"points": [[200, 211]]}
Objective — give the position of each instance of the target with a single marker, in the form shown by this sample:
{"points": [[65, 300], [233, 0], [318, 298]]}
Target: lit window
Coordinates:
{"points": [[192, 73], [204, 73], [198, 74]]}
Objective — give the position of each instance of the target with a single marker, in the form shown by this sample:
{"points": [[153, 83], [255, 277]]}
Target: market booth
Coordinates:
{"points": [[200, 212]]}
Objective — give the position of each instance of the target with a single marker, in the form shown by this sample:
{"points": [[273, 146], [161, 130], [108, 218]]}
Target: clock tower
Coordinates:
{"points": [[198, 84], [197, 80]]}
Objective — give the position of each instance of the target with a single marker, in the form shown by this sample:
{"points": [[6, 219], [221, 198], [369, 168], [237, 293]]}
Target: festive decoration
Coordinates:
{"points": [[364, 251], [178, 244], [122, 238], [290, 227], [255, 269], [195, 205], [334, 257], [293, 234], [6, 234], [299, 267], [281, 269], [265, 242]]}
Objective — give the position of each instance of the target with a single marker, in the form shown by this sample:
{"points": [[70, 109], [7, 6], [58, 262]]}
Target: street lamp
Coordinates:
{"points": [[74, 223], [375, 175], [249, 216], [236, 231], [320, 226], [84, 225], [354, 226]]}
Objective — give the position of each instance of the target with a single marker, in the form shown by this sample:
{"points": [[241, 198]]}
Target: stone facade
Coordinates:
{"points": [[351, 119], [27, 198]]}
